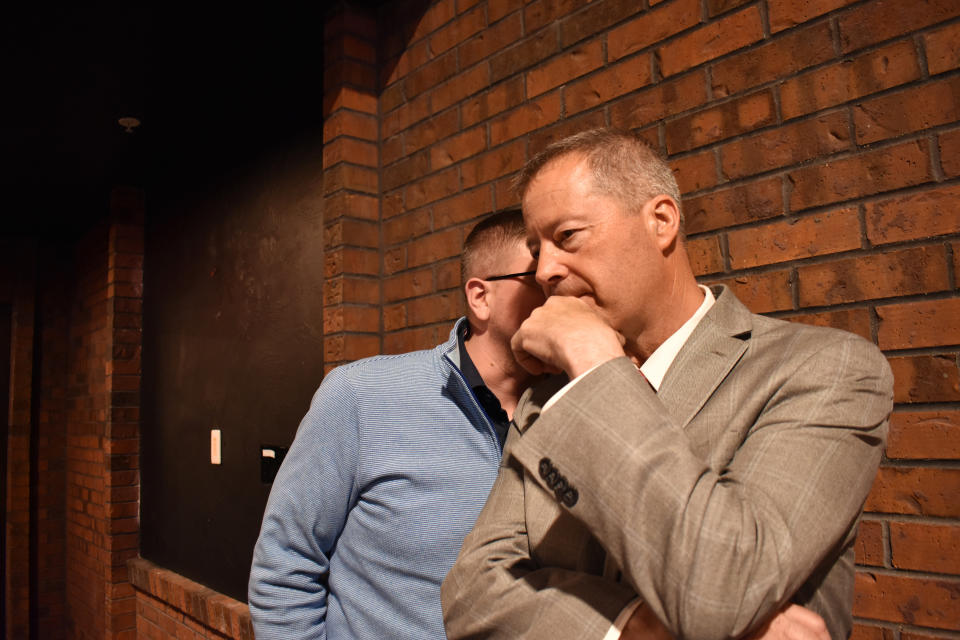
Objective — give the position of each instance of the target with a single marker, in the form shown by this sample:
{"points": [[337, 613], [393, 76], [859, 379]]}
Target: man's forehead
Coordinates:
{"points": [[569, 165], [532, 240], [567, 180], [531, 235]]}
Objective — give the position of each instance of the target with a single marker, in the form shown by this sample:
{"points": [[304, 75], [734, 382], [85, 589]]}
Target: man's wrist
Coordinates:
{"points": [[581, 362]]}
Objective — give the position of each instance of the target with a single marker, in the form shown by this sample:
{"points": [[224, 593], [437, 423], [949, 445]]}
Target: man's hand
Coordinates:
{"points": [[793, 622], [565, 334]]}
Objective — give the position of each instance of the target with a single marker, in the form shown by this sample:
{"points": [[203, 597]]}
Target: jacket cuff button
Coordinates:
{"points": [[545, 467]]}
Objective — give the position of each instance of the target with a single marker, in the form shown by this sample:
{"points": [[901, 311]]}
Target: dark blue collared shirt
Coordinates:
{"points": [[487, 400]]}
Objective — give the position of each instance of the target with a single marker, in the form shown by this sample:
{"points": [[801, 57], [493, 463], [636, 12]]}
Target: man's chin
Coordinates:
{"points": [[600, 310]]}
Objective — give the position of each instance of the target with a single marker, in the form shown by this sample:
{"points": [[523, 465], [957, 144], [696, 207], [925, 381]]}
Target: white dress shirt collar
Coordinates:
{"points": [[660, 360]]}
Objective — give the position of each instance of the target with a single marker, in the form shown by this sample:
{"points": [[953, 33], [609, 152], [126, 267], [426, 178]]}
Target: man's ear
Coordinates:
{"points": [[665, 218], [477, 290]]}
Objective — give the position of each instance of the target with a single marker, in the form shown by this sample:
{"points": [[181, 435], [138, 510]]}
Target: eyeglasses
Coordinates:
{"points": [[512, 275]]}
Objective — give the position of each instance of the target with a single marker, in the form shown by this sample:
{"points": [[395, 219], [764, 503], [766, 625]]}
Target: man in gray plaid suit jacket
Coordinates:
{"points": [[705, 467]]}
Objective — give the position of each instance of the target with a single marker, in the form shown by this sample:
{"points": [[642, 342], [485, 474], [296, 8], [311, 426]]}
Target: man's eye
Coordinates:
{"points": [[566, 234]]}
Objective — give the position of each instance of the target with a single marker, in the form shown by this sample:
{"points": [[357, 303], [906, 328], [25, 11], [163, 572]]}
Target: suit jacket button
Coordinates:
{"points": [[545, 467], [561, 486], [551, 478], [570, 497]]}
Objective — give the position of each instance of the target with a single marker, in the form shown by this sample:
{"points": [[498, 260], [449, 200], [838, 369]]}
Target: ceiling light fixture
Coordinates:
{"points": [[128, 123]]}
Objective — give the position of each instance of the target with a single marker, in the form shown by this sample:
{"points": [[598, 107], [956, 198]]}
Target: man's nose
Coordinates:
{"points": [[550, 268]]}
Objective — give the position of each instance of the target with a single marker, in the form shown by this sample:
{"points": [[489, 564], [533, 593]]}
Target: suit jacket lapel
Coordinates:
{"points": [[709, 354]]}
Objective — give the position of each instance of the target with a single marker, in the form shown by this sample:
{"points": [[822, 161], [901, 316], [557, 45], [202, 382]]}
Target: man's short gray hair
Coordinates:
{"points": [[624, 166]]}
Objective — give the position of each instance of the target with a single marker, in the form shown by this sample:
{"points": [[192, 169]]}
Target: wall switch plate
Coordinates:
{"points": [[271, 457], [215, 446]]}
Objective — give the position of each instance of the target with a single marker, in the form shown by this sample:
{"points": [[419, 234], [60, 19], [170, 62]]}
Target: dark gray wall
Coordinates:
{"points": [[232, 341], [233, 275]]}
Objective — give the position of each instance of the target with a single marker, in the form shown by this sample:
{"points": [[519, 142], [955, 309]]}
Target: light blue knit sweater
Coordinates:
{"points": [[389, 469]]}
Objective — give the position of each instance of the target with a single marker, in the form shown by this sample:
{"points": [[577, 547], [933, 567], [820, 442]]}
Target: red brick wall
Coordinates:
{"points": [[102, 414], [171, 606], [818, 148], [86, 404], [351, 287]]}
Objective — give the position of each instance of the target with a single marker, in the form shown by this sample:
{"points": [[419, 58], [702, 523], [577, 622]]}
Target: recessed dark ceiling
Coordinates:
{"points": [[210, 86], [71, 72]]}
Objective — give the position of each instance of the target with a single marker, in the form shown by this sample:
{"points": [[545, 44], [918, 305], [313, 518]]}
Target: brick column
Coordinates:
{"points": [[122, 372], [103, 425], [351, 185]]}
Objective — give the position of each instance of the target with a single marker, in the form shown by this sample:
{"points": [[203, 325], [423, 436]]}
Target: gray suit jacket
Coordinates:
{"points": [[734, 489]]}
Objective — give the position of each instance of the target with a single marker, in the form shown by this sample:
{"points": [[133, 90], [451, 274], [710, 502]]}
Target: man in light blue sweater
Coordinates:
{"points": [[391, 465]]}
